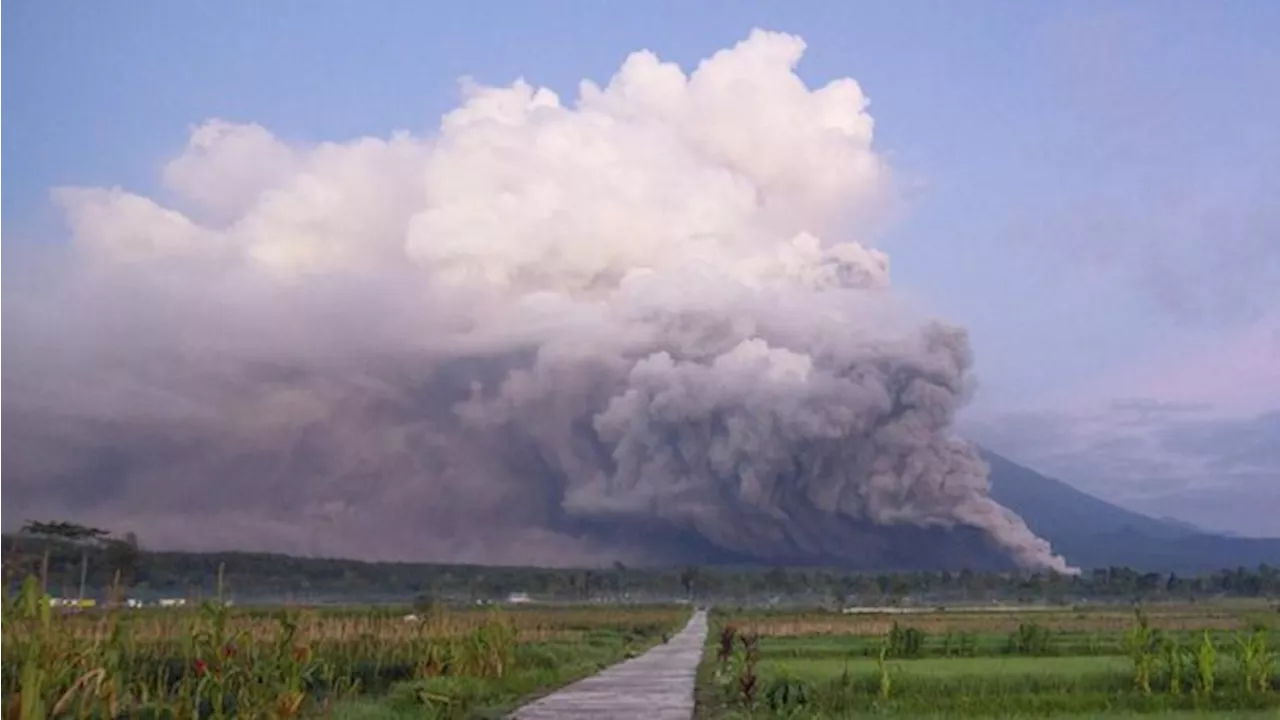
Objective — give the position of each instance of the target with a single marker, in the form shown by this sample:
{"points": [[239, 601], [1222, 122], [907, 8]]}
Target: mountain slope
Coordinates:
{"points": [[1091, 533]]}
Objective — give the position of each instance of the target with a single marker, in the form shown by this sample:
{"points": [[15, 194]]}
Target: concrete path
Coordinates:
{"points": [[658, 685]]}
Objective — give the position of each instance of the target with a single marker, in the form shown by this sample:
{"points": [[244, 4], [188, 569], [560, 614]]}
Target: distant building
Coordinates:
{"points": [[72, 602], [519, 598]]}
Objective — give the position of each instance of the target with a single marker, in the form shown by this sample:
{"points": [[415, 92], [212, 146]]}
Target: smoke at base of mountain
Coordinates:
{"points": [[546, 334]]}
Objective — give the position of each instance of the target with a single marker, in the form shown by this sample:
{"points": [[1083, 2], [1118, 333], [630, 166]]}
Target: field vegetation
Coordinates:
{"points": [[913, 644], [1193, 661], [220, 662]]}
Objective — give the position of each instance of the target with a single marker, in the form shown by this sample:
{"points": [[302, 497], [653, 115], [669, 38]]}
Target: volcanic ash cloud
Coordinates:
{"points": [[655, 309]]}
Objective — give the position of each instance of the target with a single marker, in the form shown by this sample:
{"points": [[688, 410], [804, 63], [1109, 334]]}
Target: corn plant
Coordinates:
{"points": [[491, 648], [35, 650], [1175, 662], [213, 662], [1256, 660], [904, 642], [788, 696], [1142, 643], [1206, 660], [1031, 639]]}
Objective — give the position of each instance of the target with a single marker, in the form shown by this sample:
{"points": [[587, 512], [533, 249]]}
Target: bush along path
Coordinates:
{"points": [[658, 685]]}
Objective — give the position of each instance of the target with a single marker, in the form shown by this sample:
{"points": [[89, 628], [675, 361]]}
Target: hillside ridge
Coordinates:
{"points": [[1093, 533]]}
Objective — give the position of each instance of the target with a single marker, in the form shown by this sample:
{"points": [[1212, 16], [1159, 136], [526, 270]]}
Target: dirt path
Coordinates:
{"points": [[658, 685]]}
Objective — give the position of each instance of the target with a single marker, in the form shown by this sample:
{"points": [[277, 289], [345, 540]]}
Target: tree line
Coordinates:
{"points": [[74, 559]]}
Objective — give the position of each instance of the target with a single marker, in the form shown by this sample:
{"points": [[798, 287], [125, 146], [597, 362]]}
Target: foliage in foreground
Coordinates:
{"points": [[217, 663], [1160, 673]]}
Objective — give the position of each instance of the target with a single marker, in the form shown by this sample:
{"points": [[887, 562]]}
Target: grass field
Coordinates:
{"points": [[363, 663], [1175, 661], [218, 661]]}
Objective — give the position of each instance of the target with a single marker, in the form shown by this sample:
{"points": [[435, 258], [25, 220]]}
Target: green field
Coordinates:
{"points": [[1065, 664], [217, 661], [1071, 669]]}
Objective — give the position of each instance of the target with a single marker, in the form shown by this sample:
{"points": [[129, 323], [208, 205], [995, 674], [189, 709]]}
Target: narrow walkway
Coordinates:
{"points": [[658, 685]]}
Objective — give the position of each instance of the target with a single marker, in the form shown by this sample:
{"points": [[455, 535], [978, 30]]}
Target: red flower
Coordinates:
{"points": [[202, 667], [228, 650]]}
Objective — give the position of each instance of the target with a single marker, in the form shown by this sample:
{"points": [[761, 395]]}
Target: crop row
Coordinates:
{"points": [[221, 662], [1155, 670]]}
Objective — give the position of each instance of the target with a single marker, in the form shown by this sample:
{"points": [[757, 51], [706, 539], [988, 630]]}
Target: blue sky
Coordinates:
{"points": [[1090, 187]]}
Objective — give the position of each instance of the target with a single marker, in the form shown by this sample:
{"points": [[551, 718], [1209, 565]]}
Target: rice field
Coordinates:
{"points": [[366, 663], [216, 661], [1173, 661]]}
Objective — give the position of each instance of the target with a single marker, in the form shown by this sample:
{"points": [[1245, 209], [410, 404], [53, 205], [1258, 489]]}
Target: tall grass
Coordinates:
{"points": [[219, 662]]}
